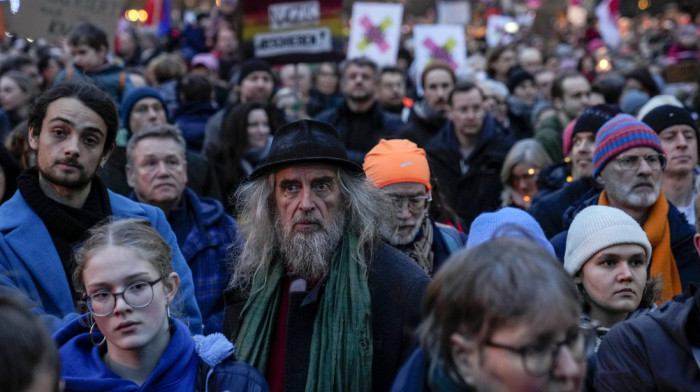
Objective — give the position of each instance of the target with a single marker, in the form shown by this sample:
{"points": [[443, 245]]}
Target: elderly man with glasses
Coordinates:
{"points": [[628, 162], [401, 170]]}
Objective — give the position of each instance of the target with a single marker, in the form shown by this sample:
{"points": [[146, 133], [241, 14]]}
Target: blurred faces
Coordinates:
{"points": [[438, 84], [358, 83], [488, 365], [258, 128], [157, 171], [575, 98], [226, 42], [87, 58], [12, 97], [146, 112], [129, 330], [543, 82], [392, 90], [582, 147], [632, 190], [680, 144], [327, 79], [411, 200], [504, 62], [524, 183], [466, 112], [531, 60], [296, 77], [613, 280], [256, 87], [526, 92]]}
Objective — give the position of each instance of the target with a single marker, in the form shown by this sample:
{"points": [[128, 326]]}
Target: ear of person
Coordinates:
{"points": [[465, 354]]}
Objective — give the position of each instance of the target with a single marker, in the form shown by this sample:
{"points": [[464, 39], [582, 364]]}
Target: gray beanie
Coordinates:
{"points": [[596, 228]]}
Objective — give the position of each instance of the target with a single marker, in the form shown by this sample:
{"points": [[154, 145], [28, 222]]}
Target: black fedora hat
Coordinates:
{"points": [[306, 141]]}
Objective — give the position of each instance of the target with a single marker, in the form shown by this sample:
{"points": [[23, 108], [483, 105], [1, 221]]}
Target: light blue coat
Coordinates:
{"points": [[30, 263]]}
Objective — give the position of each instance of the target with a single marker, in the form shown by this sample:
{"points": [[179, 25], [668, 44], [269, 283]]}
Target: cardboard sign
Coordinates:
{"points": [[454, 12], [54, 19], [375, 32], [438, 42], [499, 30], [292, 31]]}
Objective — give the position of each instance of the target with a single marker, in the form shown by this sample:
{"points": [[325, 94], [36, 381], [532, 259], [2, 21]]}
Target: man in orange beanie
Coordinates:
{"points": [[401, 170]]}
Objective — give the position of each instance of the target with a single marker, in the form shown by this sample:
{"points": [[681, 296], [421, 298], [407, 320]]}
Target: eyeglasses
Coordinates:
{"points": [[631, 162], [415, 203], [538, 358], [137, 295]]}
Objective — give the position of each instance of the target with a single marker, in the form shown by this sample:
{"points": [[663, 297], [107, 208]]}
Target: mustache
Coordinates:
{"points": [[70, 162], [307, 218]]}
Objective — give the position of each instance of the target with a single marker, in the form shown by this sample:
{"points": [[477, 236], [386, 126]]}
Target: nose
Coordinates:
{"points": [[644, 167], [72, 146], [682, 142], [624, 272], [404, 212], [162, 169], [586, 99], [120, 304], [306, 203], [567, 368]]}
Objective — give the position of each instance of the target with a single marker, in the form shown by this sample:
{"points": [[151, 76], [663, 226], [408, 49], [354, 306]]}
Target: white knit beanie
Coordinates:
{"points": [[596, 228]]}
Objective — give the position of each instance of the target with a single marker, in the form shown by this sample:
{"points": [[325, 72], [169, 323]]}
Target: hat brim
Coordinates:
{"points": [[278, 165]]}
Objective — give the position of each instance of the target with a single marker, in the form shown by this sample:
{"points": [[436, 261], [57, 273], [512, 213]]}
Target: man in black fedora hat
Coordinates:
{"points": [[317, 301]]}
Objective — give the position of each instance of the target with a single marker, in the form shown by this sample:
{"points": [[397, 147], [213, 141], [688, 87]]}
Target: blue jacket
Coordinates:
{"points": [[30, 264], [653, 352], [206, 250], [192, 118], [184, 365], [682, 233], [108, 79]]}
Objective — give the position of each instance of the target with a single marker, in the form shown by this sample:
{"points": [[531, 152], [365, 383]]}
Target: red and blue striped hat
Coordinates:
{"points": [[619, 134]]}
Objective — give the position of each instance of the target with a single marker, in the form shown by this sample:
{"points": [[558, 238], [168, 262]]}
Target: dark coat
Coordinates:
{"points": [[682, 233], [549, 210], [375, 124], [421, 128], [201, 177], [653, 352], [191, 118], [479, 189], [396, 285]]}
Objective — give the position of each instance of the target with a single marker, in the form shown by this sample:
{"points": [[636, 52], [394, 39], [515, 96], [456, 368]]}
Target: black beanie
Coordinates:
{"points": [[517, 75], [251, 66], [667, 116], [592, 118]]}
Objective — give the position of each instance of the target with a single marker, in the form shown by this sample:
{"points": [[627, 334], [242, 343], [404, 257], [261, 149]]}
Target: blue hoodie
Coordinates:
{"points": [[84, 370]]}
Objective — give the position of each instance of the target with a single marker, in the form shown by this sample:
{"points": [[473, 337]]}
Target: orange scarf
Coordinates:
{"points": [[658, 232]]}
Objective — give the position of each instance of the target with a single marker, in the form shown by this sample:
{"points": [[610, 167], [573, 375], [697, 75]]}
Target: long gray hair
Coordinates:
{"points": [[362, 203]]}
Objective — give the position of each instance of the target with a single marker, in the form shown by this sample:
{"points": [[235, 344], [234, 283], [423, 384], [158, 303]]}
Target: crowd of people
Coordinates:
{"points": [[177, 217]]}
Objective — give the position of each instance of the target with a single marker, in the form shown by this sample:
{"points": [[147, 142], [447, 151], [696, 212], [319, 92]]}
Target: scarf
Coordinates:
{"points": [[66, 225], [659, 234], [421, 249], [341, 346]]}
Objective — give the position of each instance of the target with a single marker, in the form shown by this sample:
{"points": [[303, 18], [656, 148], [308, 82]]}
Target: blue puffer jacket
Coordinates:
{"points": [[191, 118], [202, 364]]}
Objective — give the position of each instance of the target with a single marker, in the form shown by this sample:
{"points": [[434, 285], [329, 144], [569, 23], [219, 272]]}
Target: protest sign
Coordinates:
{"points": [[375, 32], [54, 19], [293, 31], [438, 42], [454, 12], [500, 30]]}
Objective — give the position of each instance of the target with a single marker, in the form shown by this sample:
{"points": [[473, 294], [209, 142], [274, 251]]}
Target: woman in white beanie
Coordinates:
{"points": [[607, 254]]}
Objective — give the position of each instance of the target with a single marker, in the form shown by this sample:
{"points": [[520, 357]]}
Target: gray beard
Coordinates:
{"points": [[308, 255], [388, 230]]}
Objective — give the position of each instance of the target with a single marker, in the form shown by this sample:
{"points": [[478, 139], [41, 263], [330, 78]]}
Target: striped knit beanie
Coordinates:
{"points": [[619, 134]]}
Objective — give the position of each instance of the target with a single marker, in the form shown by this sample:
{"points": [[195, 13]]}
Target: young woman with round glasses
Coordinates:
{"points": [[501, 316], [128, 341]]}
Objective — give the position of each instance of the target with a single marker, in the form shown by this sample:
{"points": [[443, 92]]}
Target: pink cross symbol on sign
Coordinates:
{"points": [[441, 52], [374, 34]]}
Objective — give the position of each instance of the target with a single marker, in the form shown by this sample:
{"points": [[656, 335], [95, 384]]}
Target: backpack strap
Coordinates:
{"points": [[122, 83], [69, 73]]}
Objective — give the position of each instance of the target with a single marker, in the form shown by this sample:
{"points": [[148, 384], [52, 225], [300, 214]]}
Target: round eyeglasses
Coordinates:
{"points": [[137, 295], [538, 358], [631, 162], [416, 204]]}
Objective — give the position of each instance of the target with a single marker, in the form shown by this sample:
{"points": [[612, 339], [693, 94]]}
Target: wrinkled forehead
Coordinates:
{"points": [[405, 189], [306, 170]]}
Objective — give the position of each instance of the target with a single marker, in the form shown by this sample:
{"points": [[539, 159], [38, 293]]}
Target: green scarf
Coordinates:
{"points": [[341, 346]]}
